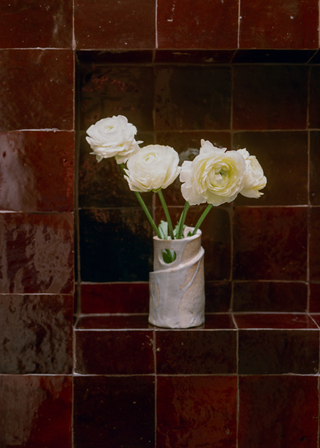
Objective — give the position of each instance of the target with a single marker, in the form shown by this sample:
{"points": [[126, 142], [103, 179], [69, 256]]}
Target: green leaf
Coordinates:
{"points": [[163, 230], [168, 255], [176, 230]]}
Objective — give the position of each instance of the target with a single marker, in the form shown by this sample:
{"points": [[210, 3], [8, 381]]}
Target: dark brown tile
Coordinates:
{"points": [[314, 244], [196, 411], [267, 97], [34, 24], [114, 352], [314, 108], [37, 253], [185, 25], [316, 317], [36, 334], [36, 171], [196, 352], [270, 243], [290, 321], [314, 168], [279, 25], [114, 322], [270, 296], [278, 411], [202, 98], [31, 82], [115, 245], [274, 150], [111, 25], [115, 298], [218, 297], [278, 351], [36, 411], [115, 56], [273, 56], [194, 56], [314, 298], [219, 322], [114, 412]]}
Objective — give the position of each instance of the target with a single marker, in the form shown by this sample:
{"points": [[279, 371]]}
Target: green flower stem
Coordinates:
{"points": [[166, 212], [202, 217], [182, 220]]}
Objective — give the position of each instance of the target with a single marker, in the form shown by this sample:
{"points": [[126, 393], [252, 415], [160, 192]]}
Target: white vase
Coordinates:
{"points": [[177, 295]]}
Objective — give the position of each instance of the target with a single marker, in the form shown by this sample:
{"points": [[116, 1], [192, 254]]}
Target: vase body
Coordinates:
{"points": [[177, 294]]}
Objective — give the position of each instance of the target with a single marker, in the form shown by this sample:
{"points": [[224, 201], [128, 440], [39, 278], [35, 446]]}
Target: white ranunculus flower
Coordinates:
{"points": [[214, 176], [152, 167], [113, 137], [254, 178]]}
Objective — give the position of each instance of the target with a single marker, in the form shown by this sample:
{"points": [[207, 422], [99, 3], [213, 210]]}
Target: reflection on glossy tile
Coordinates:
{"points": [[31, 81], [270, 243], [109, 24], [278, 411], [262, 95], [37, 253], [276, 321], [196, 411], [115, 245], [279, 25], [314, 244], [115, 298], [34, 24], [36, 171], [114, 412], [270, 296], [198, 24], [314, 168], [187, 98], [36, 411], [36, 334], [314, 108], [274, 150]]}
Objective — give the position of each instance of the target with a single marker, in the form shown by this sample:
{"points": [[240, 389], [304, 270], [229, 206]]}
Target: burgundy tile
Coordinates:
{"points": [[36, 171], [194, 56], [273, 56], [196, 411], [270, 296], [290, 321], [113, 322], [114, 412], [275, 150], [114, 352], [314, 244], [184, 24], [115, 298], [196, 352], [278, 411], [36, 411], [314, 170], [34, 24], [262, 95], [189, 98], [110, 25], [115, 56], [279, 25], [270, 243], [218, 297], [31, 82], [316, 317], [115, 245], [36, 334], [37, 253], [314, 298], [278, 351], [314, 108], [219, 322]]}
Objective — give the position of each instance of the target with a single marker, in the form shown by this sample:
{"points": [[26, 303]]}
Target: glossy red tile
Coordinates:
{"points": [[314, 244], [114, 352], [36, 334], [188, 99], [201, 25], [270, 243], [278, 351], [275, 150], [37, 253], [290, 321], [34, 24], [278, 411], [113, 25], [314, 164], [279, 25], [219, 322], [314, 298], [113, 412], [194, 56], [114, 56], [114, 322], [316, 317], [262, 95], [270, 296], [196, 411], [218, 297], [314, 108], [115, 298], [31, 82], [36, 411], [36, 171]]}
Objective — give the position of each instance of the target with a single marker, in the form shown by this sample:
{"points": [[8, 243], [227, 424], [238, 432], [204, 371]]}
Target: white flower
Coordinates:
{"points": [[152, 167], [254, 179], [113, 137], [214, 176]]}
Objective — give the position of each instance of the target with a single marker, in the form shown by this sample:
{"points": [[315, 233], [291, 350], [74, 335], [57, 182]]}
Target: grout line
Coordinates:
{"points": [[156, 23], [239, 23]]}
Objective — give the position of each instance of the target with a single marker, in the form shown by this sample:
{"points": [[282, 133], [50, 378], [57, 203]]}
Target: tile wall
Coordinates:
{"points": [[79, 365]]}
